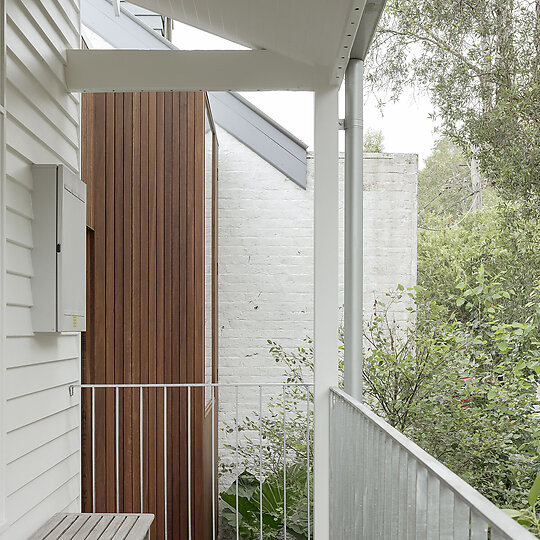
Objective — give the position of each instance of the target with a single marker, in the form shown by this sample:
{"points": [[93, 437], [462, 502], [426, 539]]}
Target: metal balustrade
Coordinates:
{"points": [[138, 394], [383, 486]]}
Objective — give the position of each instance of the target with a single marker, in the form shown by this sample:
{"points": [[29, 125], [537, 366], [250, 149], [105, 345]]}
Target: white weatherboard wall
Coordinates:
{"points": [[42, 446], [266, 257]]}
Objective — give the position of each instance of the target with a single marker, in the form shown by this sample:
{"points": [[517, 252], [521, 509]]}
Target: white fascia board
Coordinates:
{"points": [[137, 70], [368, 26], [348, 36]]}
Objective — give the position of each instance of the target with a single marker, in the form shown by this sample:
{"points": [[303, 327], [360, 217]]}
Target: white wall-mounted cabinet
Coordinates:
{"points": [[59, 254]]}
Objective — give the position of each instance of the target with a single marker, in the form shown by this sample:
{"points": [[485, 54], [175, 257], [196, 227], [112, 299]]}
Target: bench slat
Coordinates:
{"points": [[72, 530], [58, 520], [99, 528], [108, 531], [126, 527], [88, 527], [141, 527]]}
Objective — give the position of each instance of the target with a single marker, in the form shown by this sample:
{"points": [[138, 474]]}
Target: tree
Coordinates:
{"points": [[373, 141], [444, 187], [479, 61], [494, 238]]}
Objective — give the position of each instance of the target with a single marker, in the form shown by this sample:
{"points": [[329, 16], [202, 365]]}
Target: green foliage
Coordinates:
{"points": [[373, 141], [404, 365], [528, 516], [460, 378], [298, 365], [273, 503], [507, 143], [479, 62], [501, 239], [464, 391], [446, 194], [484, 273], [445, 161], [443, 186], [264, 458]]}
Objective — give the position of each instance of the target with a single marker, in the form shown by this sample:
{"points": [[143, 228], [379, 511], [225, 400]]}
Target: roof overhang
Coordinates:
{"points": [[368, 25], [300, 45], [317, 33], [232, 112]]}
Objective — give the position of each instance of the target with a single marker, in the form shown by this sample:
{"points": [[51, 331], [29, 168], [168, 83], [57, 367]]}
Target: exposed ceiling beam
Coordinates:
{"points": [[129, 70]]}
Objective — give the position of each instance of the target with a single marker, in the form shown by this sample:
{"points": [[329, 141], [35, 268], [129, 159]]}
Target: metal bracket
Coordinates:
{"points": [[341, 124]]}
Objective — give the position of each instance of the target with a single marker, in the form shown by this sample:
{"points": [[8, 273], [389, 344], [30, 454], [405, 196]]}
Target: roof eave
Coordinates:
{"points": [[371, 15]]}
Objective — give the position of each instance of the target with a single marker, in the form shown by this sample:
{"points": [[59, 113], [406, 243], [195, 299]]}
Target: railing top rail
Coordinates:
{"points": [[190, 385], [494, 515], [185, 385]]}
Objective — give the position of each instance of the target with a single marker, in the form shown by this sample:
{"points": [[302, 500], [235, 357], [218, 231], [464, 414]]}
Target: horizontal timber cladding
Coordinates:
{"points": [[143, 161]]}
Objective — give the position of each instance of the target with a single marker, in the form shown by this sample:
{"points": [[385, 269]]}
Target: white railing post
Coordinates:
{"points": [[326, 295]]}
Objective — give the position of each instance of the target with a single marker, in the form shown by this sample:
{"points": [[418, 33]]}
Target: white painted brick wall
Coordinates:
{"points": [[266, 256]]}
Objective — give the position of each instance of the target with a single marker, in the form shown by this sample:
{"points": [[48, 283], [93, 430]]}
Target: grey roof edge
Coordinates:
{"points": [[231, 111], [273, 145], [269, 119], [371, 15], [127, 27]]}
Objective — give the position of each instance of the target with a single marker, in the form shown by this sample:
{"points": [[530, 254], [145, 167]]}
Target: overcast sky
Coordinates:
{"points": [[406, 124]]}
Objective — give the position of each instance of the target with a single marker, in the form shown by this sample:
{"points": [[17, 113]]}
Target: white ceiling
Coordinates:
{"points": [[316, 32]]}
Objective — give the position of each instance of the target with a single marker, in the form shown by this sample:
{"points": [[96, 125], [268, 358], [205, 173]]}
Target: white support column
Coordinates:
{"points": [[326, 295], [2, 263]]}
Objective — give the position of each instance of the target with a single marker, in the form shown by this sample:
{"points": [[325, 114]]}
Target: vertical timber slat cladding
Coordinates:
{"points": [[143, 158], [128, 395]]}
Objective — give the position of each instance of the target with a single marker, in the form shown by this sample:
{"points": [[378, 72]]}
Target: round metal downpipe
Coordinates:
{"points": [[354, 150]]}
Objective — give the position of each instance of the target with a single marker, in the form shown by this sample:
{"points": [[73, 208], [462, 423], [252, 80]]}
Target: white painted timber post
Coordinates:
{"points": [[2, 262], [326, 295]]}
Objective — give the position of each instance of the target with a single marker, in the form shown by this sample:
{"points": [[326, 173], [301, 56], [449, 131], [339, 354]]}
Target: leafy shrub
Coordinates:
{"points": [[462, 384], [528, 516], [273, 503], [501, 239], [252, 452], [464, 391]]}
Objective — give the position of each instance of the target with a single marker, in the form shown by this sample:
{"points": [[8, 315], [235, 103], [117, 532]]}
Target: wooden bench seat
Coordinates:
{"points": [[96, 526]]}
